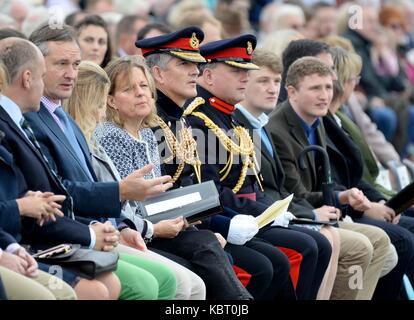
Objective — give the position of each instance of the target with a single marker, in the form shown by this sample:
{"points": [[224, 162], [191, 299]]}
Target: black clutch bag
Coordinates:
{"points": [[313, 222], [403, 200], [87, 263], [194, 202]]}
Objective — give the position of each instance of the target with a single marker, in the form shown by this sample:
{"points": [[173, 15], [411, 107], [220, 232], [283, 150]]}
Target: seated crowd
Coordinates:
{"points": [[97, 116]]}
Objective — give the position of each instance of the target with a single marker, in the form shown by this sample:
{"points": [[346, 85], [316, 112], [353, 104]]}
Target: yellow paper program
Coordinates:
{"points": [[275, 210]]}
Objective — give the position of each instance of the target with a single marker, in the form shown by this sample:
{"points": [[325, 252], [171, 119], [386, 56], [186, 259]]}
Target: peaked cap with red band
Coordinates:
{"points": [[183, 44], [236, 52]]}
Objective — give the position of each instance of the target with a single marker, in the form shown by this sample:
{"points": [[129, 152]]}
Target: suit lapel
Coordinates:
{"points": [[81, 140], [276, 164], [5, 156], [265, 154], [299, 135], [48, 120], [6, 118]]}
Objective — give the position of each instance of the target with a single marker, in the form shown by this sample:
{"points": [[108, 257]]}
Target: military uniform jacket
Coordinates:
{"points": [[172, 114], [214, 157]]}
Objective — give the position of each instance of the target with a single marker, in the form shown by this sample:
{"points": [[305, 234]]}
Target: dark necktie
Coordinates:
{"points": [[30, 134]]}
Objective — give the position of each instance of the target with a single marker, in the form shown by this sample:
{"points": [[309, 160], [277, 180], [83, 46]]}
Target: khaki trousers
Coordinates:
{"points": [[42, 287], [364, 251]]}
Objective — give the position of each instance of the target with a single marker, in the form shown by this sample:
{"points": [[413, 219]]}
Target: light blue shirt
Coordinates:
{"points": [[258, 124], [14, 112]]}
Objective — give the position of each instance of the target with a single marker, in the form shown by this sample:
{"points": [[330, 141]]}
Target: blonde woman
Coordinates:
{"points": [[87, 106]]}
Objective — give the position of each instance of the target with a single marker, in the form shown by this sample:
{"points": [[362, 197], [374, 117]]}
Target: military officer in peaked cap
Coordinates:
{"points": [[222, 84], [173, 60]]}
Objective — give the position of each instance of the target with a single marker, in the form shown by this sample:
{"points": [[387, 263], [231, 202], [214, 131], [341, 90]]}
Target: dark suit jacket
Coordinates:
{"points": [[9, 212], [213, 158], [344, 157], [273, 173], [28, 161], [289, 139], [172, 114], [346, 160], [102, 198]]}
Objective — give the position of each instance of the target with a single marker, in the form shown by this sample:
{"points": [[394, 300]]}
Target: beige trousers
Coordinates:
{"points": [[42, 287], [364, 251]]}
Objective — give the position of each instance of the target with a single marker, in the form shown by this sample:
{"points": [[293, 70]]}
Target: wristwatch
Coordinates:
{"points": [[150, 231]]}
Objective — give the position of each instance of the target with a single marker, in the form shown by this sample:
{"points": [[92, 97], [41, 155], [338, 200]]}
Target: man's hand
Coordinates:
{"points": [[242, 229], [283, 220], [327, 213], [13, 262], [355, 198], [32, 266], [135, 187], [41, 206], [396, 219], [107, 236], [381, 212], [169, 228], [132, 238]]}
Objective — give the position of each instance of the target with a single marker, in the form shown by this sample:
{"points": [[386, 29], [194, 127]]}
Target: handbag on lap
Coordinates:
{"points": [[88, 263]]}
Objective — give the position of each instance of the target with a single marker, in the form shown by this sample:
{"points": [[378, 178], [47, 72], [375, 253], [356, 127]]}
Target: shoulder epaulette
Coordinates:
{"points": [[198, 101]]}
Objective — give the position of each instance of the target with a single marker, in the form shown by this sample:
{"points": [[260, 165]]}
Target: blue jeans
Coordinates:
{"points": [[410, 131], [386, 120]]}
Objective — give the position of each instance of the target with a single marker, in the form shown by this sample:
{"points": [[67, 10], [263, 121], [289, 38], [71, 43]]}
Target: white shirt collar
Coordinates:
{"points": [[338, 120]]}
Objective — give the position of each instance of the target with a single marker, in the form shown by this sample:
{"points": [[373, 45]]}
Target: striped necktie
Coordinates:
{"points": [[30, 134]]}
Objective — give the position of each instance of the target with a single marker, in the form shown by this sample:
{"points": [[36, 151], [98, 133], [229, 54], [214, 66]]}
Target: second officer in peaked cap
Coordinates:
{"points": [[183, 44]]}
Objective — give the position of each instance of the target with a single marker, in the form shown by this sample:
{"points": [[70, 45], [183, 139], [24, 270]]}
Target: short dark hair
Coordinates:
{"points": [[95, 20], [43, 34], [9, 32], [163, 28], [301, 48], [72, 19], [126, 24]]}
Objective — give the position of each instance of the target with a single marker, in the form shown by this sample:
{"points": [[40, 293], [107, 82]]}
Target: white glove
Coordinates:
{"points": [[283, 220], [242, 229]]}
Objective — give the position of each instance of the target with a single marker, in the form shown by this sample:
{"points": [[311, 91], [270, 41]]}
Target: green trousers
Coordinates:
{"points": [[143, 279]]}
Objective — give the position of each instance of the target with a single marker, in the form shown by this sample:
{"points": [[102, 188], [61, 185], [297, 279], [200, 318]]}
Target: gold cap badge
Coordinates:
{"points": [[249, 48], [194, 43]]}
